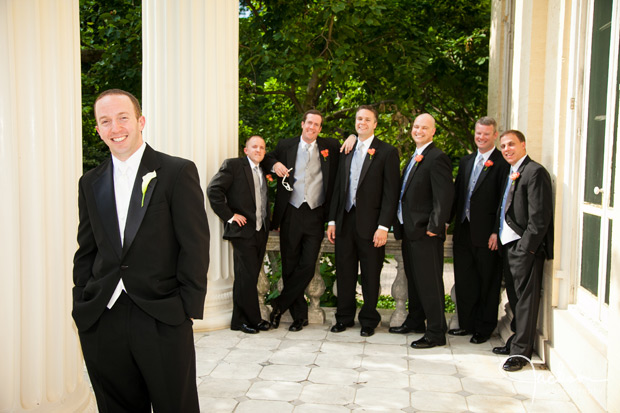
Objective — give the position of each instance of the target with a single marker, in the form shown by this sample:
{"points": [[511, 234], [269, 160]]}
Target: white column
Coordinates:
{"points": [[41, 368], [190, 101]]}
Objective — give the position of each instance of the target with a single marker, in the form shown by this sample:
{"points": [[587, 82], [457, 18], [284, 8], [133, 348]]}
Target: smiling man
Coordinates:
{"points": [[238, 195], [300, 212], [477, 269], [140, 271], [525, 224], [423, 210], [361, 213]]}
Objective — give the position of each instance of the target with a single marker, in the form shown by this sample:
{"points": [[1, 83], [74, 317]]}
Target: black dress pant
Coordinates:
{"points": [[523, 272], [423, 259], [135, 361], [301, 233], [352, 249], [248, 255], [477, 277]]}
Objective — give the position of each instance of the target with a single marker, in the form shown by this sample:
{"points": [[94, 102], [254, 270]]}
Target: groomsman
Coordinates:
{"points": [[361, 212], [477, 270], [300, 213], [238, 195], [423, 210], [526, 237]]}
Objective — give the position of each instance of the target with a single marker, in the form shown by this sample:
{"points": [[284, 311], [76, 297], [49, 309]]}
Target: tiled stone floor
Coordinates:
{"points": [[315, 370]]}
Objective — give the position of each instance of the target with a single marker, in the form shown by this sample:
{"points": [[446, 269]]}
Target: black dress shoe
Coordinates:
{"points": [[340, 327], [504, 350], [458, 332], [403, 329], [264, 325], [514, 363], [478, 338], [245, 328], [426, 342], [298, 325], [367, 331], [275, 316]]}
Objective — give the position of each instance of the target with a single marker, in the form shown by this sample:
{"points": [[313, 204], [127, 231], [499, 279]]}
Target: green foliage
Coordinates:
{"points": [[404, 57], [111, 56], [449, 306]]}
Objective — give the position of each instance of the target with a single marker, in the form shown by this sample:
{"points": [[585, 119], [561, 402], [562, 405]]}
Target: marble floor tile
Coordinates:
{"points": [[375, 397], [244, 355], [541, 386], [338, 360], [329, 375], [219, 339], [490, 404], [211, 353], [223, 388], [385, 363], [486, 370], [279, 372], [320, 408], [384, 379], [292, 358], [348, 349], [204, 367], [300, 346], [438, 401], [264, 406], [383, 337], [308, 333], [327, 394], [274, 390], [549, 406], [217, 405], [391, 350], [435, 383], [488, 387], [351, 335], [432, 366], [254, 342], [236, 370], [435, 353]]}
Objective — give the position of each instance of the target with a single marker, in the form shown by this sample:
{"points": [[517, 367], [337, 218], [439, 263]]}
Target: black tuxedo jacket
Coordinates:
{"points": [[485, 198], [165, 255], [231, 191], [377, 191], [427, 200], [529, 207], [286, 152]]}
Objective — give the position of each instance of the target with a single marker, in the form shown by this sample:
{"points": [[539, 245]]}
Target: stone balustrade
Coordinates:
{"points": [[316, 288]]}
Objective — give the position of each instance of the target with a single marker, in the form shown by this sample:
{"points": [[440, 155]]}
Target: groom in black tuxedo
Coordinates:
{"points": [[140, 271]]}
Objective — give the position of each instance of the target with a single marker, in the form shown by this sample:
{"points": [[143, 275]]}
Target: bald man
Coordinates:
{"points": [[423, 210]]}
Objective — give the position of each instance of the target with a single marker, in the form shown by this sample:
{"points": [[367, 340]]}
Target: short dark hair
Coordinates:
{"points": [[515, 132], [370, 108], [312, 112], [487, 121], [132, 98]]}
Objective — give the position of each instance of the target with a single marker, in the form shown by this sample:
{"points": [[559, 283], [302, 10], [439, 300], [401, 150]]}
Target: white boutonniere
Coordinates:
{"points": [[146, 179]]}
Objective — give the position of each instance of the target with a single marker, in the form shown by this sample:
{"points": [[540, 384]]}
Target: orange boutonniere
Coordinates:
{"points": [[371, 152], [418, 158], [488, 164], [514, 176], [325, 154], [269, 177]]}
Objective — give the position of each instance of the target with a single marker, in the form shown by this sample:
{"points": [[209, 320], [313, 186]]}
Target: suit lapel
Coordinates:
{"points": [[247, 170], [136, 212], [347, 168], [513, 184], [368, 160], [483, 172], [291, 159], [415, 167], [324, 163], [103, 189]]}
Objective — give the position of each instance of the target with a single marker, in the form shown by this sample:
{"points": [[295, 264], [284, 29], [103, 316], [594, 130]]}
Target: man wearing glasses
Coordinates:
{"points": [[306, 167]]}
